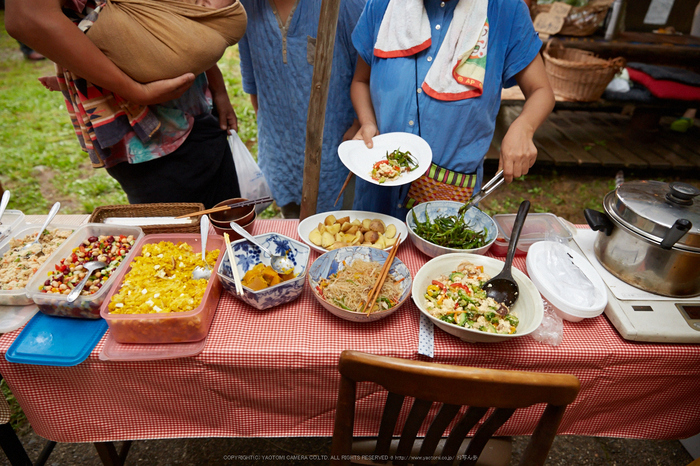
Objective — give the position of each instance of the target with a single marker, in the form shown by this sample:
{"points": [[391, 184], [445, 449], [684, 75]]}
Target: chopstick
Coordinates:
{"points": [[345, 185], [374, 293], [262, 200], [234, 269]]}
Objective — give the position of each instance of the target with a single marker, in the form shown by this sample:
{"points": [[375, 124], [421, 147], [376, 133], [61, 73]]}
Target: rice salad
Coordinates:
{"points": [[458, 298], [17, 266], [160, 280]]}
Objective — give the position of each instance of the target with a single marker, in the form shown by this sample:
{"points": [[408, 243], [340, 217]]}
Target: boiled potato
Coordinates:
{"points": [[377, 225], [333, 229], [346, 226], [390, 241], [352, 230], [365, 223], [390, 231], [330, 220], [321, 227], [357, 221], [316, 237], [327, 239], [342, 220], [381, 242]]}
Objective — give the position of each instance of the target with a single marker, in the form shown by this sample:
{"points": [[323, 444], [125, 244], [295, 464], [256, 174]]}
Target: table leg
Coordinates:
{"points": [[108, 453]]}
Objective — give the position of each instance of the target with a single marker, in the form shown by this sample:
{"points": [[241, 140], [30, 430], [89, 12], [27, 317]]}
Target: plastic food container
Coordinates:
{"points": [[167, 327], [85, 307], [537, 227], [567, 280], [19, 296], [11, 220]]}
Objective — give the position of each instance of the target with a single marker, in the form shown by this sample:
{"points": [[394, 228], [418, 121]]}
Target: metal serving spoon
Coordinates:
{"points": [[280, 264], [503, 287], [89, 268], [52, 214], [3, 203], [200, 272]]}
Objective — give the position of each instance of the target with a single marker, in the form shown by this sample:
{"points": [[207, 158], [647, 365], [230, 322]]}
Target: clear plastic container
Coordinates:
{"points": [[537, 227], [167, 327], [19, 296], [11, 220], [84, 307]]}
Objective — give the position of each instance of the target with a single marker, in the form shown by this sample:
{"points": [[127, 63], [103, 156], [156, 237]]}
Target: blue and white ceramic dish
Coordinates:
{"points": [[477, 219], [332, 261], [247, 255]]}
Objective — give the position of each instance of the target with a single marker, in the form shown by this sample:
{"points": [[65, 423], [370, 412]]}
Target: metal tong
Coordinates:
{"points": [[486, 189]]}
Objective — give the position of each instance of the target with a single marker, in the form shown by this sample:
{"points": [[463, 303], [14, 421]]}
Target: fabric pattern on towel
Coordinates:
{"points": [[458, 70], [151, 40]]}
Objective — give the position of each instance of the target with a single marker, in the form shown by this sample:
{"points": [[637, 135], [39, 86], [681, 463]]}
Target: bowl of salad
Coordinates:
{"points": [[437, 228], [448, 290]]}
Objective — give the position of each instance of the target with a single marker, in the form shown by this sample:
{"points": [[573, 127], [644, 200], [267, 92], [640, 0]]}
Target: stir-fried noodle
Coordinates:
{"points": [[349, 288]]}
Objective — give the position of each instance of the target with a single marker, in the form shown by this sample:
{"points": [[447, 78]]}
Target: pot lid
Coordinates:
{"points": [[652, 208]]}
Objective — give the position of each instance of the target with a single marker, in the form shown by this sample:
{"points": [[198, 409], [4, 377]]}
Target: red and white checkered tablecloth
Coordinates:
{"points": [[273, 374]]}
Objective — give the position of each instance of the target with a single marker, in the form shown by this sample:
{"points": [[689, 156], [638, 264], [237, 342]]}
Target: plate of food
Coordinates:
{"points": [[332, 230], [395, 159]]}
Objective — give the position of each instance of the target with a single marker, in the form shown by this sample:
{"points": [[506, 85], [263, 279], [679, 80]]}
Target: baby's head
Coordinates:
{"points": [[216, 4]]}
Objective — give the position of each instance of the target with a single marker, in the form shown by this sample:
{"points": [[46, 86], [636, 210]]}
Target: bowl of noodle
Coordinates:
{"points": [[341, 280]]}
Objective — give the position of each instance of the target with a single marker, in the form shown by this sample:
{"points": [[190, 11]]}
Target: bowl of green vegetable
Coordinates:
{"points": [[437, 228]]}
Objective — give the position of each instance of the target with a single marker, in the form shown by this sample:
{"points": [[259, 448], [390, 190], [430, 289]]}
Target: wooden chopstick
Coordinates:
{"points": [[374, 293], [345, 185], [234, 269], [262, 200]]}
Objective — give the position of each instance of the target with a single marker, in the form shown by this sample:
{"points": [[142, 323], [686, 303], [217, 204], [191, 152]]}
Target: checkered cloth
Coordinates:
{"points": [[273, 373]]}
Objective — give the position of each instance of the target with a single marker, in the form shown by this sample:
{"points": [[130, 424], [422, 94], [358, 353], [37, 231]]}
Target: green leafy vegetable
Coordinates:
{"points": [[450, 232]]}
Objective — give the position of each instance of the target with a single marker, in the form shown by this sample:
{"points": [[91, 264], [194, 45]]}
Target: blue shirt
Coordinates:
{"points": [[278, 68], [460, 132]]}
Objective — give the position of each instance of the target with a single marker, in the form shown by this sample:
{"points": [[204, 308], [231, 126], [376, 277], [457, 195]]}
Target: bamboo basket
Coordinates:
{"points": [[152, 210], [578, 75], [581, 21]]}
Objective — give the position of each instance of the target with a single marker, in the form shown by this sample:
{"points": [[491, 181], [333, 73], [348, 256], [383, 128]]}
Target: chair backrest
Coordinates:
{"points": [[453, 387]]}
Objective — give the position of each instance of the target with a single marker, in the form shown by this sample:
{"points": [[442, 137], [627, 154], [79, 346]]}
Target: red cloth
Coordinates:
{"points": [[665, 89]]}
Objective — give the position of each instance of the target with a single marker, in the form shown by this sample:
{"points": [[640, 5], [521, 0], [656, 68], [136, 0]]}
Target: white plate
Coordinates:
{"points": [[359, 159], [529, 308], [308, 224]]}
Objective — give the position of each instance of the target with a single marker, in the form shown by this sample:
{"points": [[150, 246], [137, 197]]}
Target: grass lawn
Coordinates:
{"points": [[41, 161]]}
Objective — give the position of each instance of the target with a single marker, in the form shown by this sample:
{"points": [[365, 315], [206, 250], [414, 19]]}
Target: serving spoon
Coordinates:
{"points": [[280, 264], [3, 203], [200, 272], [89, 267], [52, 214], [503, 287]]}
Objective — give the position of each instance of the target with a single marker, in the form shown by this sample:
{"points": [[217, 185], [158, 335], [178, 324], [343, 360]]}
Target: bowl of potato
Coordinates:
{"points": [[333, 230]]}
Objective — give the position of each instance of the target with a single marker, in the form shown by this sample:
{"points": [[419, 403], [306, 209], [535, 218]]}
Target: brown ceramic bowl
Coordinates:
{"points": [[240, 215], [226, 228]]}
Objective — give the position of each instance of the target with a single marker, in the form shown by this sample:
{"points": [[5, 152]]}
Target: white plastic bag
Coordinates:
{"points": [[250, 178]]}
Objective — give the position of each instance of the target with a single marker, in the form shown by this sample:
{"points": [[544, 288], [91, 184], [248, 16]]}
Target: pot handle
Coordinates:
{"points": [[679, 228], [598, 221]]}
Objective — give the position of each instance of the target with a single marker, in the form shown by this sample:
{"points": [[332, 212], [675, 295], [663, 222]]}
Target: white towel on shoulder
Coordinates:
{"points": [[458, 69]]}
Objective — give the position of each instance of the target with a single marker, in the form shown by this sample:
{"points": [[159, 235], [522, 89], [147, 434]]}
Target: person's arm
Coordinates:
{"points": [[42, 25], [227, 116], [518, 151], [362, 102]]}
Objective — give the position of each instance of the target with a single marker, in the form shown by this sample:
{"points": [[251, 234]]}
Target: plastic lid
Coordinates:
{"points": [[566, 279], [537, 227], [115, 351], [10, 220], [56, 341]]}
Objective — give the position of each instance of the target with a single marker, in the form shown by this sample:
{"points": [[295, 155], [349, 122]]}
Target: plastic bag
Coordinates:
{"points": [[250, 178], [551, 330]]}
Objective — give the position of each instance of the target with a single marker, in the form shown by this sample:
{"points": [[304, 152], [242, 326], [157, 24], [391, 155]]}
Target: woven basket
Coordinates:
{"points": [[581, 21], [578, 75], [152, 210]]}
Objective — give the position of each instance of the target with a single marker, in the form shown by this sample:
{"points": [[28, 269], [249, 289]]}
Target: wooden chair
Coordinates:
{"points": [[453, 387]]}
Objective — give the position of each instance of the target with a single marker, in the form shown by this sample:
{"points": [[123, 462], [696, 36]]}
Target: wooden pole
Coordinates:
{"points": [[323, 59]]}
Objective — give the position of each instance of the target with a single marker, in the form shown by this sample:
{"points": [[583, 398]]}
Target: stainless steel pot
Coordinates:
{"points": [[649, 236]]}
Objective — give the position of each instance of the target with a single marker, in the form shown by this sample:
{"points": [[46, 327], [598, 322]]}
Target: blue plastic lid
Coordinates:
{"points": [[56, 341]]}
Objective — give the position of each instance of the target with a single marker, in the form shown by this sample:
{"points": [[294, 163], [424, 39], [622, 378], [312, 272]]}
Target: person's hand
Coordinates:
{"points": [[352, 130], [366, 133], [227, 115], [518, 152], [157, 92]]}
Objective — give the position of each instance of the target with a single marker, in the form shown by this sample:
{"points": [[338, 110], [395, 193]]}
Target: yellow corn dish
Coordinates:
{"points": [[160, 280]]}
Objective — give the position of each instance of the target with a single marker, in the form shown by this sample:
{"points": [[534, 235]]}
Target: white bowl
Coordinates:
{"points": [[332, 261], [529, 308], [307, 225], [475, 217], [247, 256]]}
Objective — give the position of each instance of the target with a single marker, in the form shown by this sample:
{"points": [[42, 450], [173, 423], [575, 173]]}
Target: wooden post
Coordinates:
{"points": [[325, 41]]}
